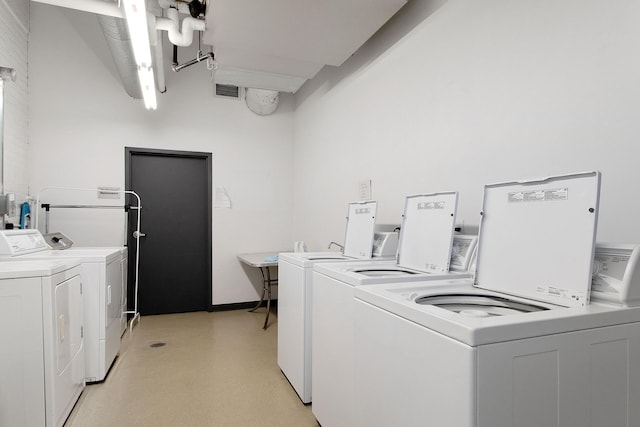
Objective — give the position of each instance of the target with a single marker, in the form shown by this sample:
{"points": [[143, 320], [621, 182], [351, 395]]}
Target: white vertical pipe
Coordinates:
{"points": [[162, 86]]}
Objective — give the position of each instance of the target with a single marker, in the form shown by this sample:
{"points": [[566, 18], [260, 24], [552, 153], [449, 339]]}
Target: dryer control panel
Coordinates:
{"points": [[21, 242]]}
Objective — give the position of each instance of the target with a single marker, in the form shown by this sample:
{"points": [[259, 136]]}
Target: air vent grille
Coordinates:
{"points": [[228, 91]]}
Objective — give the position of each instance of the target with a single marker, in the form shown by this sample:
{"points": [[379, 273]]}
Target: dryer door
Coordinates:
{"points": [[69, 322], [113, 309], [67, 379], [124, 270], [114, 292]]}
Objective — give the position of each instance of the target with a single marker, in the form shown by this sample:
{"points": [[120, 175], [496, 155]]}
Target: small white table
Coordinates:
{"points": [[257, 260]]}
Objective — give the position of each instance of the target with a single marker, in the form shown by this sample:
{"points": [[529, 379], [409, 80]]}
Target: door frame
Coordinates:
{"points": [[208, 157]]}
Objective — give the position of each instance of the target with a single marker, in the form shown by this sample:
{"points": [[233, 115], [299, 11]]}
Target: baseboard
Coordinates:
{"points": [[239, 306]]}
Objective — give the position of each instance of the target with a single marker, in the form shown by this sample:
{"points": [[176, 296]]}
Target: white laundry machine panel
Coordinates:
{"points": [[358, 235], [295, 273], [295, 282], [426, 247], [557, 366], [104, 284], [42, 353], [367, 272], [408, 374], [333, 299], [524, 361], [615, 268], [332, 345]]}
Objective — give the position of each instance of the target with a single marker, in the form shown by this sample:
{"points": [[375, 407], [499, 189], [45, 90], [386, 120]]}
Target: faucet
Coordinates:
{"points": [[337, 244]]}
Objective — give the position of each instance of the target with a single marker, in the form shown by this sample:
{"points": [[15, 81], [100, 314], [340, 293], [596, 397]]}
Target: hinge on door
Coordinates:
{"points": [[80, 288], [81, 331]]}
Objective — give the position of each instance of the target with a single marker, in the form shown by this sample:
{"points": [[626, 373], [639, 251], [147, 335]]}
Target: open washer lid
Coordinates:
{"points": [[537, 238], [427, 229], [361, 221]]}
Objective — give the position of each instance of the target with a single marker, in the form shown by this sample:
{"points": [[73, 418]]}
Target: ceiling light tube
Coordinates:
{"points": [[147, 84], [136, 14]]}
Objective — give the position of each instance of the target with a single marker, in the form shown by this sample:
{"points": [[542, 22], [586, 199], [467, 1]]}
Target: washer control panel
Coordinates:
{"points": [[616, 274]]}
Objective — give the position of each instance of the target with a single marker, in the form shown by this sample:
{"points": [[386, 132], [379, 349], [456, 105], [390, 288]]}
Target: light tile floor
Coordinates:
{"points": [[215, 369]]}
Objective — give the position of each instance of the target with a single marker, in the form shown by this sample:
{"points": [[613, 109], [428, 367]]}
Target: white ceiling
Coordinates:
{"points": [[289, 38]]}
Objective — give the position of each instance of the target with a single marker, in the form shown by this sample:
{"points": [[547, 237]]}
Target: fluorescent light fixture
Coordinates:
{"points": [[148, 85], [136, 14]]}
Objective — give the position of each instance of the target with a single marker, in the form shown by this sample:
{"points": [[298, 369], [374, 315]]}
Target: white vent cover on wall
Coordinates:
{"points": [[227, 91]]}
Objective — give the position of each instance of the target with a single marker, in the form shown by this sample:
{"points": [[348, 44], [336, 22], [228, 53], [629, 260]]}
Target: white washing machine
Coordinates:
{"points": [[295, 273], [424, 251], [427, 246], [365, 272], [520, 345], [42, 353], [103, 273]]}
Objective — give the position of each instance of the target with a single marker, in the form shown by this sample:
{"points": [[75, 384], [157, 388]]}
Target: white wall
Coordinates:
{"points": [[14, 28], [479, 92], [81, 119]]}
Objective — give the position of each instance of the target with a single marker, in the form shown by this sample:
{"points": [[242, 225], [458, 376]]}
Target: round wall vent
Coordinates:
{"points": [[262, 101]]}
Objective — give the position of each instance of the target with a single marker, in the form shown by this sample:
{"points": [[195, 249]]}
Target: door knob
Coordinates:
{"points": [[138, 234]]}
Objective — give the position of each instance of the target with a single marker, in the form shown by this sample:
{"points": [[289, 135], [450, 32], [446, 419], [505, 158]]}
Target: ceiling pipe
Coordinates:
{"points": [[183, 7], [119, 42], [171, 24], [200, 57], [128, 74]]}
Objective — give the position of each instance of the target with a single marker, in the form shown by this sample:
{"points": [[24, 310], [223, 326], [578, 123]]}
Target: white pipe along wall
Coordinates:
{"points": [[171, 23]]}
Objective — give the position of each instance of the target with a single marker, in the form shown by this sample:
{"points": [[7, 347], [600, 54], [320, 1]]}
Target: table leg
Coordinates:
{"points": [[263, 293], [266, 291]]}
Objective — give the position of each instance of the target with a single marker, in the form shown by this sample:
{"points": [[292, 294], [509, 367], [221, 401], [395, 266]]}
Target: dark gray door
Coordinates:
{"points": [[175, 253]]}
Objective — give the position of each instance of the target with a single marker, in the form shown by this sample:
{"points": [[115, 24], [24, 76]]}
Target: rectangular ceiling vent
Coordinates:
{"points": [[227, 91]]}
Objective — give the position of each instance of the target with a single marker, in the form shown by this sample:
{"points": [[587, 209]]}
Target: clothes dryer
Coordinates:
{"points": [[521, 344], [295, 273], [42, 353], [103, 273], [424, 251]]}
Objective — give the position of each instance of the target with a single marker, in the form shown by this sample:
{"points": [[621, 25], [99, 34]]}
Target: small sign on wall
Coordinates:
{"points": [[109, 192], [364, 189], [222, 198]]}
